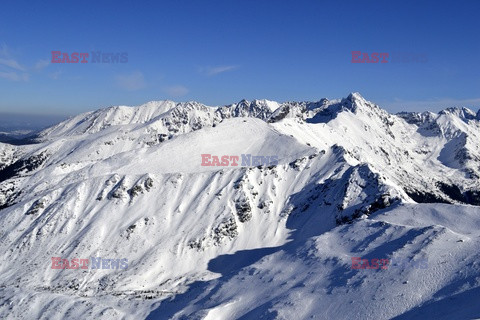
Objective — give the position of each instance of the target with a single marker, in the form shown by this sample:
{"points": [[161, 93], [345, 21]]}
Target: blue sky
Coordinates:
{"points": [[219, 52]]}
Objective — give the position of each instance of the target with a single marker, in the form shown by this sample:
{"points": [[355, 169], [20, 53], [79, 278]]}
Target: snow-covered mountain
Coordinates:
{"points": [[271, 241]]}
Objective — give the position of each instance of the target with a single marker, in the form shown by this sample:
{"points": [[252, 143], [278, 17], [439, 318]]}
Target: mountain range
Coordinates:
{"points": [[244, 242]]}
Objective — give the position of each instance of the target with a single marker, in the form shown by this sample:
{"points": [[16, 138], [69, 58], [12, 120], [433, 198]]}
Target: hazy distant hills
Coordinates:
{"points": [[15, 127]]}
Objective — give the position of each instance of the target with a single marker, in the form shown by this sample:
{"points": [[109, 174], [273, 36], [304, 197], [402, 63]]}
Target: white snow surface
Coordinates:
{"points": [[244, 242]]}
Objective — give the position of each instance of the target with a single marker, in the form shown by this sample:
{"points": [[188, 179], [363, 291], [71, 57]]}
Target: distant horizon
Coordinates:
{"points": [[15, 121], [393, 107]]}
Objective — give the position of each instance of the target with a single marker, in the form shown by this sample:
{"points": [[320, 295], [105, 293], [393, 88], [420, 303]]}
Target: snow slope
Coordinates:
{"points": [[243, 242], [312, 278]]}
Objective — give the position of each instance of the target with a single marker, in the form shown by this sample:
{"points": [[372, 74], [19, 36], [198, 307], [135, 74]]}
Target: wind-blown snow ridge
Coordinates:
{"points": [[229, 242]]}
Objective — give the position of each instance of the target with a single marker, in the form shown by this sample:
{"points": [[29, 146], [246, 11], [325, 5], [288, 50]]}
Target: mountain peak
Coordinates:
{"points": [[355, 96], [354, 101], [461, 112]]}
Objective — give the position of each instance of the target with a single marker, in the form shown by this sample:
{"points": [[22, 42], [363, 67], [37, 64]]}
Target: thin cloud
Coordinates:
{"points": [[10, 69], [212, 71], [131, 82], [11, 63], [14, 76], [41, 64], [175, 91], [55, 75]]}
